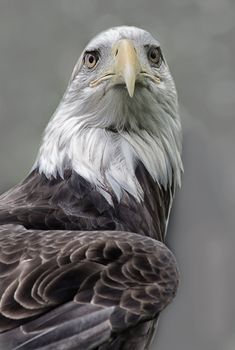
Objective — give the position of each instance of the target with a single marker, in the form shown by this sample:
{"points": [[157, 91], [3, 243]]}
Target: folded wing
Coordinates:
{"points": [[74, 289]]}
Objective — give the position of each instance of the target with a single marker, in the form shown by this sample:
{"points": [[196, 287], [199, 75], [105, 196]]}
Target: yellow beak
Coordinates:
{"points": [[126, 65]]}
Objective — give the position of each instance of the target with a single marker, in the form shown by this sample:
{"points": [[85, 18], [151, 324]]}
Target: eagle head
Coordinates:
{"points": [[120, 108]]}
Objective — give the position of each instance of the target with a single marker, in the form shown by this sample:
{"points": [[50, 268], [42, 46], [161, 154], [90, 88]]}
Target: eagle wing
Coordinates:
{"points": [[78, 289]]}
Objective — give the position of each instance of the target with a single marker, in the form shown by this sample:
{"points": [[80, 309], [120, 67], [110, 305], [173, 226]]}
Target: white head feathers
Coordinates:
{"points": [[102, 133]]}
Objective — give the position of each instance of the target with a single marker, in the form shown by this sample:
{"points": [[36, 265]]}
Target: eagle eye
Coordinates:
{"points": [[155, 56], [91, 59]]}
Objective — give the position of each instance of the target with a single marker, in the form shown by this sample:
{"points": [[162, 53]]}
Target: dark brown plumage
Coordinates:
{"points": [[66, 286], [73, 203]]}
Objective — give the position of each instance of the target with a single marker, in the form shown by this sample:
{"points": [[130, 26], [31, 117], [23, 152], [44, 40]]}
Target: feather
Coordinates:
{"points": [[93, 284]]}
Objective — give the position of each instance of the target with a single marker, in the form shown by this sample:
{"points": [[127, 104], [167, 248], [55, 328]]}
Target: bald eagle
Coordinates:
{"points": [[83, 264]]}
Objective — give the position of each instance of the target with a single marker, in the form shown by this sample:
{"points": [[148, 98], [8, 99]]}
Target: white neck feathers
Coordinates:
{"points": [[82, 140]]}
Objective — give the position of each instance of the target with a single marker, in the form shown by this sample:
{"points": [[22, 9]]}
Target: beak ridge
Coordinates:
{"points": [[127, 64]]}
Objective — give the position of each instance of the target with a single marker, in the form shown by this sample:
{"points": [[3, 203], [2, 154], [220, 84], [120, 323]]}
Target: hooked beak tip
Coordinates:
{"points": [[129, 76]]}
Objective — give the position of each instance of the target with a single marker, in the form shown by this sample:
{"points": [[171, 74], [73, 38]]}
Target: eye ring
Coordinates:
{"points": [[91, 59], [155, 56]]}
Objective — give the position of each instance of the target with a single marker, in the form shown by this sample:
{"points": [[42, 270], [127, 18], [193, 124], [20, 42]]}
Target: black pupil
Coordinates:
{"points": [[91, 59], [153, 54]]}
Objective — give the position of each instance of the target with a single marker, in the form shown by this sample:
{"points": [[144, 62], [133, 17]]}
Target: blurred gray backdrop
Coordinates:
{"points": [[40, 42]]}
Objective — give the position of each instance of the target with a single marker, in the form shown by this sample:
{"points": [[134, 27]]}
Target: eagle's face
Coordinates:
{"points": [[120, 109], [120, 72]]}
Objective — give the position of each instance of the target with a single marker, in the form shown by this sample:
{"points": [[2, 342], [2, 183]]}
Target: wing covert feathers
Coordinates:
{"points": [[75, 289]]}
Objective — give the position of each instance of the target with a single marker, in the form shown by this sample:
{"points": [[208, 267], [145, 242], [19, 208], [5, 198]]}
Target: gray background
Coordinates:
{"points": [[39, 44]]}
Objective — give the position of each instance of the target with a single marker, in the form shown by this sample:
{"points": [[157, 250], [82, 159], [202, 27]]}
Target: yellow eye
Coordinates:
{"points": [[91, 58], [155, 56]]}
